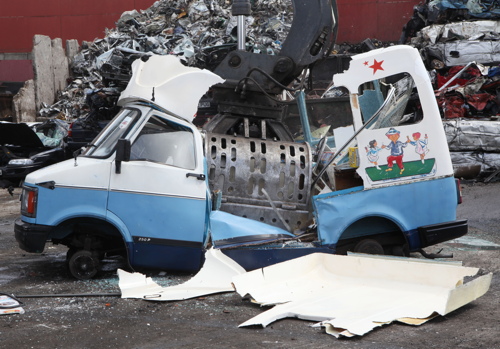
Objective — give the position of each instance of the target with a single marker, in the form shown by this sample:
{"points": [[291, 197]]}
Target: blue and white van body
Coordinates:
{"points": [[143, 182]]}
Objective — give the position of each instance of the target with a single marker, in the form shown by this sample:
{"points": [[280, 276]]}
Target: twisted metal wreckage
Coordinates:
{"points": [[317, 286], [458, 40]]}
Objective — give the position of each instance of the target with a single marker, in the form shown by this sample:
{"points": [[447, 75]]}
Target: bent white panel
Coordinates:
{"points": [[358, 293], [215, 277], [165, 81]]}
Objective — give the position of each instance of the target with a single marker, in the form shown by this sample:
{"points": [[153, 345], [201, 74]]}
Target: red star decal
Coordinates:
{"points": [[376, 66], [366, 63]]}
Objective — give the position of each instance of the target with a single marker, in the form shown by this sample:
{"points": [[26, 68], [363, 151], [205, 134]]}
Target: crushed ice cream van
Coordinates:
{"points": [[155, 189]]}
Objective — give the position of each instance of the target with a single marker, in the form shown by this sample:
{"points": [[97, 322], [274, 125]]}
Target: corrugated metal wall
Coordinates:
{"points": [[87, 19]]}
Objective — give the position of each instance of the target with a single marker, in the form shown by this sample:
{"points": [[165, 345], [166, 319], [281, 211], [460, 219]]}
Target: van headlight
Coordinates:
{"points": [[29, 198], [21, 162]]}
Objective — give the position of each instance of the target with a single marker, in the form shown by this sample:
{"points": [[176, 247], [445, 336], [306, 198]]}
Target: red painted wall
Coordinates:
{"points": [[19, 70], [87, 19], [66, 19], [377, 19]]}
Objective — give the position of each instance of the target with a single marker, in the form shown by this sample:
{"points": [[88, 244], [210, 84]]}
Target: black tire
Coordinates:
{"points": [[369, 246], [83, 264], [70, 253], [400, 251]]}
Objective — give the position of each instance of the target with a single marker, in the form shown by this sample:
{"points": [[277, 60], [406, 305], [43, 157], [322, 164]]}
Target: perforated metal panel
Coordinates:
{"points": [[245, 169]]}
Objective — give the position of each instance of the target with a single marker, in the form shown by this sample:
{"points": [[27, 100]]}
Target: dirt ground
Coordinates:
{"points": [[107, 321]]}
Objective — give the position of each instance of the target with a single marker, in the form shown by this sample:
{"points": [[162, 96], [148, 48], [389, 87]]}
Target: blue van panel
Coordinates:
{"points": [[163, 256], [252, 258], [160, 216], [228, 229], [409, 206], [62, 203]]}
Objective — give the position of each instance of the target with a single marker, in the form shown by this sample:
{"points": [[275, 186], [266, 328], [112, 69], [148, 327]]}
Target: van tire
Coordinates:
{"points": [[83, 264], [369, 246]]}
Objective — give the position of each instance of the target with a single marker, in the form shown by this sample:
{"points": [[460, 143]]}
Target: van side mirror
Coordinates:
{"points": [[122, 153]]}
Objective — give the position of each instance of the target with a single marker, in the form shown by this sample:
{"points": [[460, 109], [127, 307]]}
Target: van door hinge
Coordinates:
{"points": [[49, 185]]}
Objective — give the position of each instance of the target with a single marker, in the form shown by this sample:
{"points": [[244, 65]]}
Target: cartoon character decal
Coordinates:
{"points": [[396, 148], [372, 153], [420, 145], [420, 167]]}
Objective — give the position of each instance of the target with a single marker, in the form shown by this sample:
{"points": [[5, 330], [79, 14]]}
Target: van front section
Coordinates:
{"points": [[53, 196], [66, 204], [148, 205]]}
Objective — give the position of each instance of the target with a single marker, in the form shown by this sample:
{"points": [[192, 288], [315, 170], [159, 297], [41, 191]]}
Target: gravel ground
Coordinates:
{"points": [[108, 321]]}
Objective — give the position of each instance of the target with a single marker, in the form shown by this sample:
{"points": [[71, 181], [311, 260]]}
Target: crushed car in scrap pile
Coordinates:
{"points": [[25, 149], [459, 43]]}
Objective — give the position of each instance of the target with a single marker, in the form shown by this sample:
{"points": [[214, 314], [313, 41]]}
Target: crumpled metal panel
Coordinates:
{"points": [[467, 30], [465, 51], [244, 170], [471, 164], [467, 134]]}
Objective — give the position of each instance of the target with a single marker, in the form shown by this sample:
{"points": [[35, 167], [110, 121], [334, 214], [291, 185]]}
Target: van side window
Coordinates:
{"points": [[165, 142], [394, 100]]}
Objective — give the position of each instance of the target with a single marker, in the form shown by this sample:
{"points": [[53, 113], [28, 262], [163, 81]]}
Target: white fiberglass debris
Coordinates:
{"points": [[169, 84], [214, 277], [351, 295]]}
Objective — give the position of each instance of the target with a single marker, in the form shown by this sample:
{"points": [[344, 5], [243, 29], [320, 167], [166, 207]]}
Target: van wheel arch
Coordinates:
{"points": [[373, 235], [97, 237]]}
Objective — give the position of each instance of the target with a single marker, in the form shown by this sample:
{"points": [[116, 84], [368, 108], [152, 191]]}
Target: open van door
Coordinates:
{"points": [[160, 192]]}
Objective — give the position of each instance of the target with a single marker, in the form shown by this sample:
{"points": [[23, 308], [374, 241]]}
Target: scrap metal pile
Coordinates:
{"points": [[200, 32], [459, 41]]}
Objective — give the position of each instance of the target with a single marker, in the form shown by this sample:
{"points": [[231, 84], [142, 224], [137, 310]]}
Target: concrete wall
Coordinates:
{"points": [[43, 69], [51, 73], [24, 103]]}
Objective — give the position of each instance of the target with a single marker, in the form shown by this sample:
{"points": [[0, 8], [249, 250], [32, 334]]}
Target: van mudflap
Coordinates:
{"points": [[437, 233]]}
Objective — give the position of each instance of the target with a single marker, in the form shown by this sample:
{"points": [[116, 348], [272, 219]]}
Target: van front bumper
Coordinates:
{"points": [[437, 233], [31, 237]]}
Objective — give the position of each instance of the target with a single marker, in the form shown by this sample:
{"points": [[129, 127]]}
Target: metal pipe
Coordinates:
{"points": [[276, 210], [455, 76], [240, 9], [301, 104], [111, 294], [242, 31]]}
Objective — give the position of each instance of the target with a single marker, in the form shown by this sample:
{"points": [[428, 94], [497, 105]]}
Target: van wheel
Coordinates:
{"points": [[401, 250], [83, 264], [70, 253], [369, 246]]}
